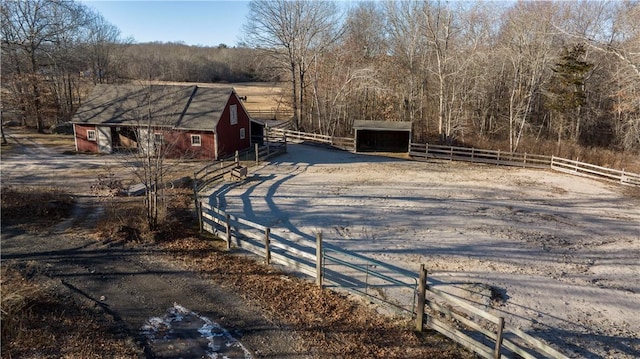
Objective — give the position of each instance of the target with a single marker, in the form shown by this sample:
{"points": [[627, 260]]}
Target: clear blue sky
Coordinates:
{"points": [[207, 23]]}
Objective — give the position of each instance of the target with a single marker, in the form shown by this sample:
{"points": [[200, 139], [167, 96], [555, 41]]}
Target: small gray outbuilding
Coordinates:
{"points": [[382, 136]]}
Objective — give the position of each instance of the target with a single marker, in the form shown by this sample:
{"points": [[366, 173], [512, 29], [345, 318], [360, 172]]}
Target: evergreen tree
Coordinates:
{"points": [[565, 95]]}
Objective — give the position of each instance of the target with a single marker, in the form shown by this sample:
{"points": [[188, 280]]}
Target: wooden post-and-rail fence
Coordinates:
{"points": [[422, 151], [263, 241], [473, 327], [453, 317], [452, 153]]}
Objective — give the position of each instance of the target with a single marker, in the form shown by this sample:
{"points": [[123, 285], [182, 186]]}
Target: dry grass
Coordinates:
{"points": [[39, 318], [42, 206], [261, 96], [596, 156], [331, 324], [38, 321], [65, 142]]}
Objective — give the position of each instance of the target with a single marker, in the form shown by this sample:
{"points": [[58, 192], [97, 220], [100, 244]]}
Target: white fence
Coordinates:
{"points": [[424, 151], [344, 143]]}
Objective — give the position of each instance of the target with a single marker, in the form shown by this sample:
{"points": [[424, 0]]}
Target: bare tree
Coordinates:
{"points": [[345, 83], [104, 48], [294, 33], [155, 109], [528, 48], [441, 30], [35, 34], [408, 46]]}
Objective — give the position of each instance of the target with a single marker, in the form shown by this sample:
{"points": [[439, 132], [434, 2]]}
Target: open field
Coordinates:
{"points": [[261, 96], [561, 251]]}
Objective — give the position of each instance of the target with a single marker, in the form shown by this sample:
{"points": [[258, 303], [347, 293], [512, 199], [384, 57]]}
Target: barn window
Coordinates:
{"points": [[233, 113], [196, 140], [91, 135], [158, 137], [242, 134]]}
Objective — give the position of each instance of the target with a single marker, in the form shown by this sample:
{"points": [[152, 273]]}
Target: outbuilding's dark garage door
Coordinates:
{"points": [[382, 136]]}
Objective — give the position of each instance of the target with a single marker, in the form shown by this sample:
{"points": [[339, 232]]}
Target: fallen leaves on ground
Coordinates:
{"points": [[332, 324]]}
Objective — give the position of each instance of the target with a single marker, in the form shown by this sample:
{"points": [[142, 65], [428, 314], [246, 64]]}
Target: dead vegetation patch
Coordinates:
{"points": [[35, 207], [125, 219], [40, 321]]}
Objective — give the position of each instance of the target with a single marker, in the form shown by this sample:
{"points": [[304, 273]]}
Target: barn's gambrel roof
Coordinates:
{"points": [[180, 107]]}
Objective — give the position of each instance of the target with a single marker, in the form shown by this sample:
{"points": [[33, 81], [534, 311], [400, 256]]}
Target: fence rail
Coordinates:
{"points": [[216, 171], [374, 279], [423, 151], [504, 158], [259, 240], [593, 171], [483, 333], [271, 114], [476, 329], [344, 143]]}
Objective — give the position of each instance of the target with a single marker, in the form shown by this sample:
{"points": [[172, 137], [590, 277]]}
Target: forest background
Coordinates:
{"points": [[559, 78]]}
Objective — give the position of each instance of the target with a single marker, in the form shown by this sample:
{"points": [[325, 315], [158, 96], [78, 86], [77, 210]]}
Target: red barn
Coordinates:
{"points": [[181, 121]]}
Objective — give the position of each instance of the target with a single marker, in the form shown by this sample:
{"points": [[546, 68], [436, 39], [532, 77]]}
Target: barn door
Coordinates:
{"points": [[104, 139]]}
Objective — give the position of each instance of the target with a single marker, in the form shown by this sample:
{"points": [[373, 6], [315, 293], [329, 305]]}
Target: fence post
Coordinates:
{"points": [[319, 259], [200, 220], [197, 202], [267, 250], [524, 164], [228, 228], [496, 352], [426, 149], [552, 157], [422, 288], [498, 163], [257, 158]]}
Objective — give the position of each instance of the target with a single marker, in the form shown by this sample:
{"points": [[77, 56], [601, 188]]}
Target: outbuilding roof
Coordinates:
{"points": [[181, 107], [382, 125]]}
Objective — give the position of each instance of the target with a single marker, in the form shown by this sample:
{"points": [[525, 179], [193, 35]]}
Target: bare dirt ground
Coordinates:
{"points": [[122, 281], [562, 252]]}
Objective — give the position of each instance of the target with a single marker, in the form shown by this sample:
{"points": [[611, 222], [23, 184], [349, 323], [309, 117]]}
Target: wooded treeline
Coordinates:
{"points": [[513, 75], [54, 51], [519, 74]]}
